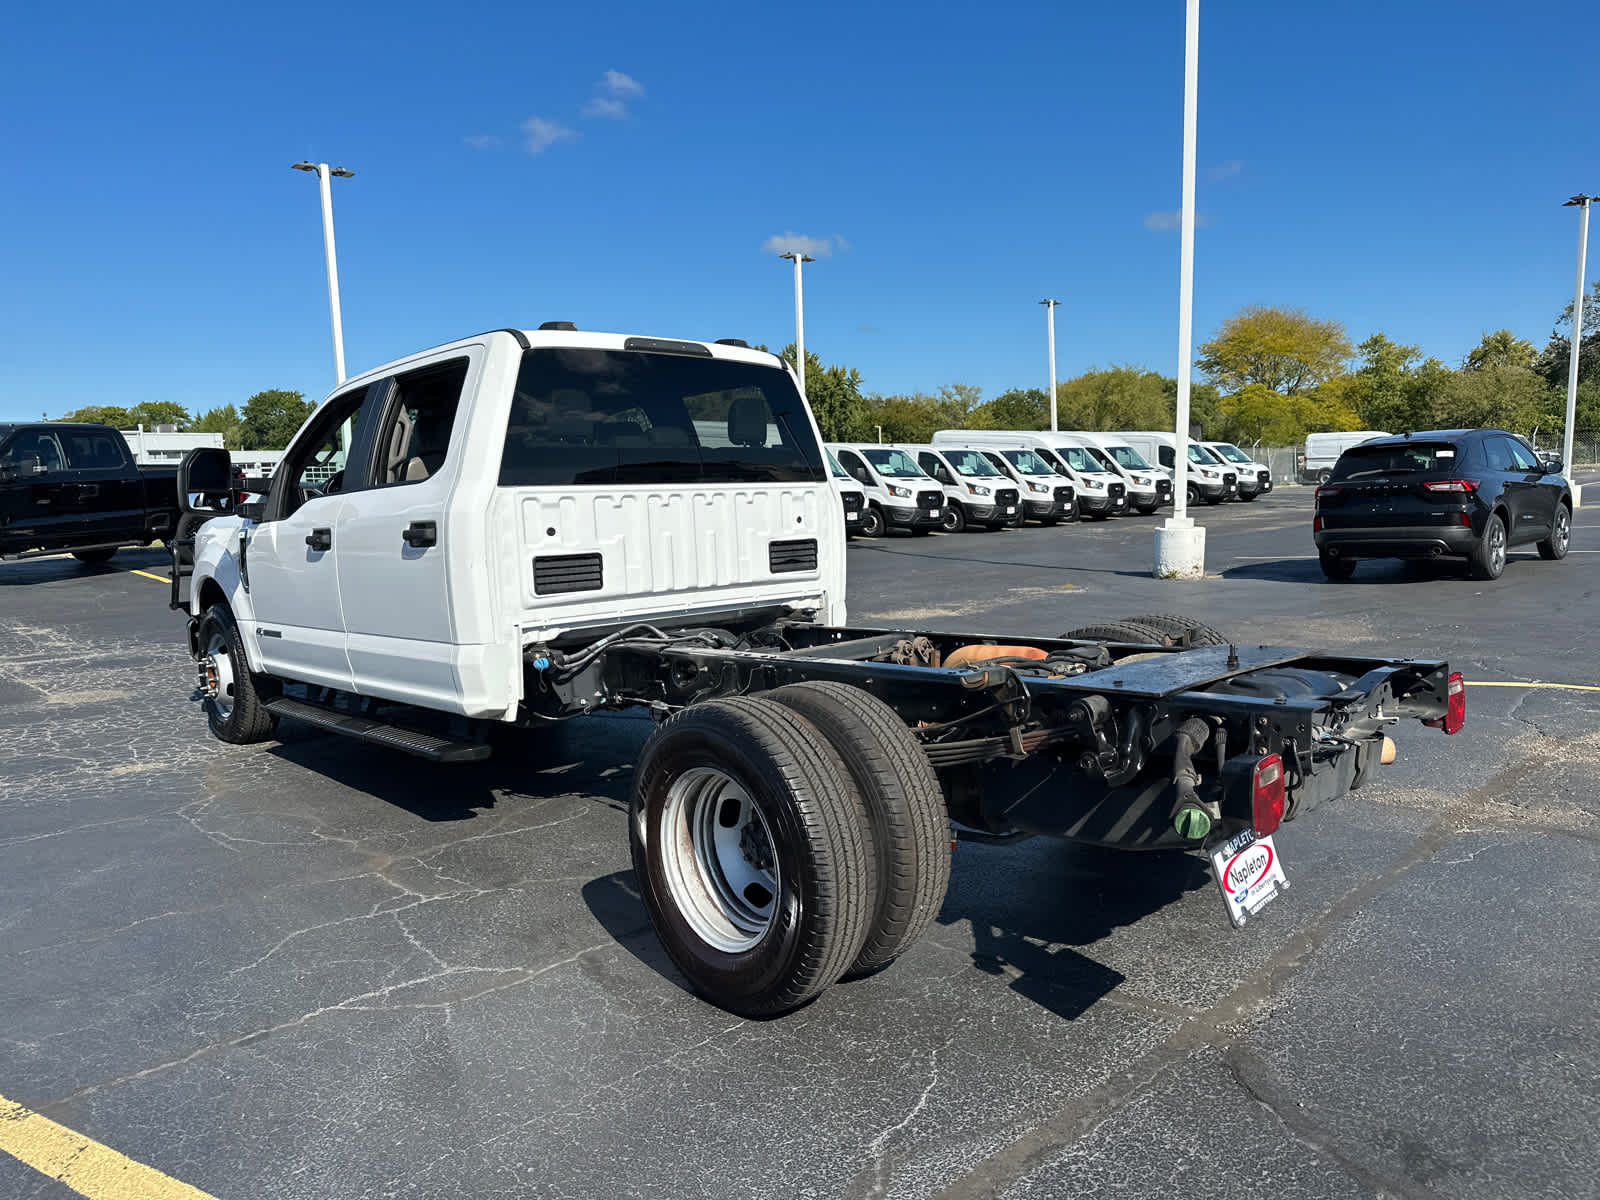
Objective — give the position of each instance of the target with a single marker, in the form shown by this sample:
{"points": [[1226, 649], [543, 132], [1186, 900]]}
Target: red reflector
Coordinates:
{"points": [[1316, 524], [1466, 520], [1452, 485], [1328, 492], [1266, 795], [1455, 709]]}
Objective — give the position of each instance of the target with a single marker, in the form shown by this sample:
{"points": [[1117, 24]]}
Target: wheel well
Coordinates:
{"points": [[211, 593]]}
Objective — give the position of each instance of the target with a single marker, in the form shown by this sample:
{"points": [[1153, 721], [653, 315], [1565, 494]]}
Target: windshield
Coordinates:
{"points": [[1080, 459], [1368, 462], [1229, 451], [833, 465], [1128, 457], [1199, 454], [894, 464], [1101, 457], [1028, 462], [969, 462]]}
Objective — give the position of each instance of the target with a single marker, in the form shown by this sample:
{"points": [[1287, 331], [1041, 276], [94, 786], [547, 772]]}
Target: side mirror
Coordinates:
{"points": [[1552, 464], [25, 467], [205, 480]]}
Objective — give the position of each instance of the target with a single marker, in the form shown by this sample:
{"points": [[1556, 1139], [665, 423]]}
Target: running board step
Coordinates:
{"points": [[410, 741]]}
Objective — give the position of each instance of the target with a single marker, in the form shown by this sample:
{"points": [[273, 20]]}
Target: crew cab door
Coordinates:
{"points": [[291, 558], [110, 500], [40, 509], [392, 549]]}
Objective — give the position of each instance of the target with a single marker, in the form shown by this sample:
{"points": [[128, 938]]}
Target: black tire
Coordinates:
{"points": [[1488, 557], [954, 519], [1118, 631], [1179, 627], [1336, 567], [1193, 493], [1097, 516], [1554, 547], [909, 828], [921, 531], [996, 526], [236, 716], [1217, 499], [1048, 521], [753, 950], [1324, 476], [872, 522], [94, 557]]}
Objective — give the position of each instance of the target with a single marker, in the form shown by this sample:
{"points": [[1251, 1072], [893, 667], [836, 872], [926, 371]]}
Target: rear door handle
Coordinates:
{"points": [[320, 539], [421, 533]]}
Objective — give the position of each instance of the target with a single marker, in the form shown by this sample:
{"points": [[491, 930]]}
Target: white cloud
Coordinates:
{"points": [[782, 243], [618, 84], [482, 141], [1226, 170], [1167, 220], [606, 106], [539, 134]]}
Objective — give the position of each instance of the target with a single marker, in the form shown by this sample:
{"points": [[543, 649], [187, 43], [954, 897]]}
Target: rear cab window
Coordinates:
{"points": [[583, 416], [1405, 458], [94, 450]]}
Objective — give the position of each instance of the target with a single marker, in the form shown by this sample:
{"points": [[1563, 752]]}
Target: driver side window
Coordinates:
{"points": [[315, 464]]}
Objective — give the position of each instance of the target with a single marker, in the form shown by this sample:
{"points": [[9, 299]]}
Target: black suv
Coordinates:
{"points": [[1469, 493]]}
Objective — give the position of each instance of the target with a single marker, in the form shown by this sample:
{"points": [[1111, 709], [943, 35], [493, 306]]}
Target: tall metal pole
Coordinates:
{"points": [[1191, 91], [333, 271], [1050, 324], [799, 317], [1582, 204]]}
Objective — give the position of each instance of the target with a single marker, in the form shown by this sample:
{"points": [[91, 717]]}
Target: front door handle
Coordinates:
{"points": [[320, 539], [421, 533], [89, 490]]}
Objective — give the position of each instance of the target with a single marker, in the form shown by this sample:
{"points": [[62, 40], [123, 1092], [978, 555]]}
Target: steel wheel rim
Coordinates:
{"points": [[718, 859], [222, 669], [1497, 546], [1563, 530], [950, 520]]}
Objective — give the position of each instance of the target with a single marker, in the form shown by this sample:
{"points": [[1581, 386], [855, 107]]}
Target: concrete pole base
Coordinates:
{"points": [[1180, 549]]}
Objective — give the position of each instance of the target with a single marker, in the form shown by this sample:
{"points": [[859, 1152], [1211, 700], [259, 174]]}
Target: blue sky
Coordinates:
{"points": [[1396, 166]]}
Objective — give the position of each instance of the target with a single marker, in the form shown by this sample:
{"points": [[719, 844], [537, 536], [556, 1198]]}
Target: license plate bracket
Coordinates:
{"points": [[1249, 874]]}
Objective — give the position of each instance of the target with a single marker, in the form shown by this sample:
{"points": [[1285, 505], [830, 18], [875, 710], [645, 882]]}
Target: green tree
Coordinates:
{"points": [[151, 413], [103, 414], [834, 394], [1018, 408], [1381, 392], [270, 419], [1120, 397], [1554, 361], [1281, 348], [912, 418], [1502, 348], [1505, 397], [225, 420]]}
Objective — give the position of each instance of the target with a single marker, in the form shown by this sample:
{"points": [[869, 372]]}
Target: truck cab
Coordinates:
{"points": [[438, 515], [900, 494], [976, 492]]}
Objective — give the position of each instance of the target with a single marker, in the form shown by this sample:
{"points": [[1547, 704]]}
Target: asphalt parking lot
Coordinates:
{"points": [[310, 969]]}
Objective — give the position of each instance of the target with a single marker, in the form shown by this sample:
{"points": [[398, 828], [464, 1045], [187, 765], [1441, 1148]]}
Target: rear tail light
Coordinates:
{"points": [[1455, 709], [1458, 486], [1316, 524], [1329, 491], [1266, 794]]}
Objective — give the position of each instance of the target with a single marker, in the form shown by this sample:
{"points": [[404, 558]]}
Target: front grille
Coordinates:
{"points": [[555, 573], [1116, 490], [1064, 495], [798, 555], [930, 499], [1006, 496], [1163, 487], [1228, 477], [1263, 476], [852, 502]]}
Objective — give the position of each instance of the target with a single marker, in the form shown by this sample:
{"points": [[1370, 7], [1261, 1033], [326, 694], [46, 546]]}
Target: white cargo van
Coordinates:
{"points": [[851, 497], [900, 494], [1323, 450], [976, 492], [1210, 479], [1100, 493], [1255, 479], [1149, 486], [1046, 496]]}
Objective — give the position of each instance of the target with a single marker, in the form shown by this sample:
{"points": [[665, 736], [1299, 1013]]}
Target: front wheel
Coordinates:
{"points": [[872, 521], [1555, 546], [954, 520], [1193, 493], [1488, 558], [750, 853], [94, 557], [232, 702], [1336, 567]]}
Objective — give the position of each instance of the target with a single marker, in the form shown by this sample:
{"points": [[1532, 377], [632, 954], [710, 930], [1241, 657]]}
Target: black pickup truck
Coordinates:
{"points": [[76, 488]]}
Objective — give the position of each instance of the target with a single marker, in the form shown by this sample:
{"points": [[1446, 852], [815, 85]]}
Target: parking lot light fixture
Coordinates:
{"points": [[1180, 545], [1581, 202], [1050, 307], [322, 172], [798, 259]]}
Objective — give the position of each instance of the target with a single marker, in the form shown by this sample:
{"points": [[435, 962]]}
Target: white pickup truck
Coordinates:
{"points": [[531, 526]]}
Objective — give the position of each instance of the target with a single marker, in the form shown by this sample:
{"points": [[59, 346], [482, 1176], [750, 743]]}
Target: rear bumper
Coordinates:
{"points": [[1416, 541]]}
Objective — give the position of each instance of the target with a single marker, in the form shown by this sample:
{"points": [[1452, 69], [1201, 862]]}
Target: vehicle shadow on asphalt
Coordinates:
{"points": [[1026, 922], [1069, 568], [1304, 570], [29, 571]]}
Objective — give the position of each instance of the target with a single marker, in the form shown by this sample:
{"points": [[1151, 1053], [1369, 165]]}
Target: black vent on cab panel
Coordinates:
{"points": [[798, 555], [556, 573]]}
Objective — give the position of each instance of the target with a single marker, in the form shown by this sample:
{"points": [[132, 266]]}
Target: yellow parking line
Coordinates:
{"points": [[1560, 687], [81, 1163], [147, 575]]}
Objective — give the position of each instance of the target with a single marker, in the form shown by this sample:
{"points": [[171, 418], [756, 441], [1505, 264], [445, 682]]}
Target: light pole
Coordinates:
{"points": [[1180, 551], [799, 315], [879, 428], [1581, 203], [323, 172], [1050, 307]]}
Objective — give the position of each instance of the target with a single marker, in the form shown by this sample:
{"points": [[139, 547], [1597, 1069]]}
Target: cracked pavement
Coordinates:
{"points": [[313, 969]]}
